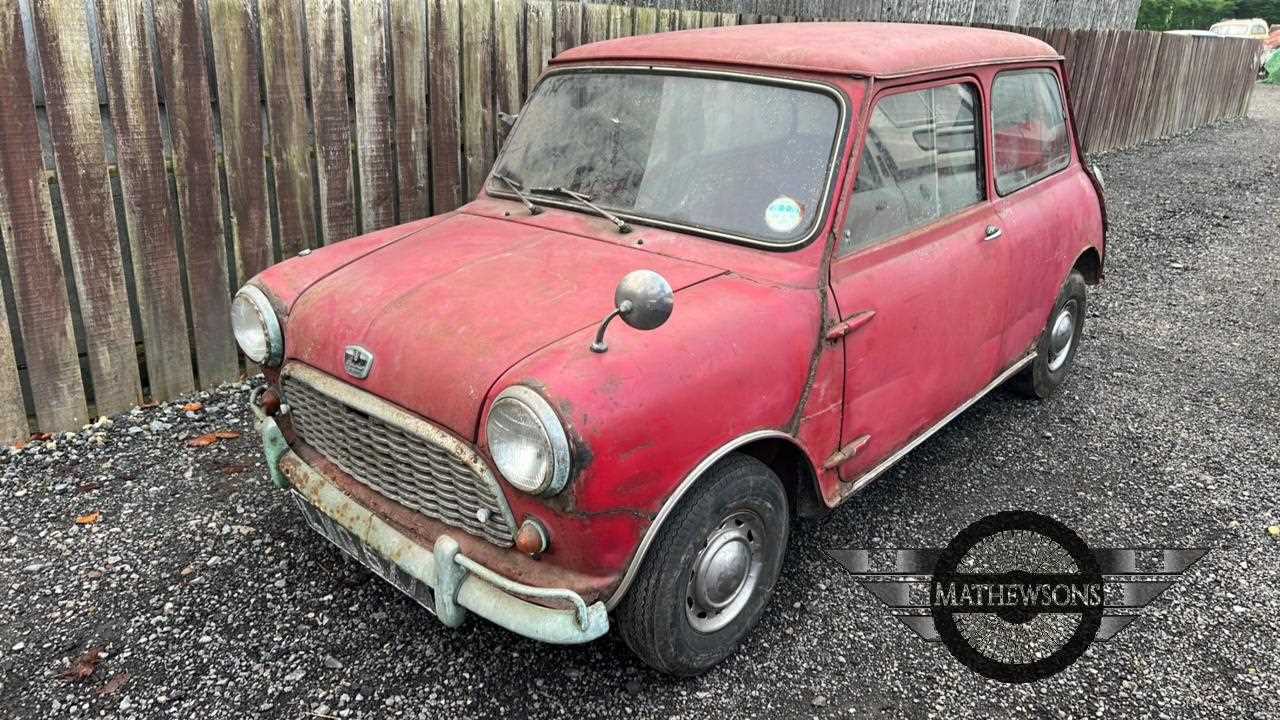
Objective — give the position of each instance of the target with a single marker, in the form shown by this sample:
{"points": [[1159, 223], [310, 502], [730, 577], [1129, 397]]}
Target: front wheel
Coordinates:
{"points": [[1056, 349], [711, 570]]}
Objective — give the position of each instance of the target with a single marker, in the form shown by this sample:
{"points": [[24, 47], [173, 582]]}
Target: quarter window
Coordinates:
{"points": [[919, 164], [1031, 140]]}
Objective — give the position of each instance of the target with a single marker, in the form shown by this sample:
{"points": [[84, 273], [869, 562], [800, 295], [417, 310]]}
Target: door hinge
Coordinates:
{"points": [[845, 327], [845, 454]]}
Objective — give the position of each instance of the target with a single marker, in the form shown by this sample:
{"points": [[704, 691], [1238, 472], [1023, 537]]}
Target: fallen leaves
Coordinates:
{"points": [[89, 518], [84, 665], [112, 686], [211, 438]]}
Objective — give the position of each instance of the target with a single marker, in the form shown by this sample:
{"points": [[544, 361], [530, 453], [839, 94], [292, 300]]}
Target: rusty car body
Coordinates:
{"points": [[863, 228]]}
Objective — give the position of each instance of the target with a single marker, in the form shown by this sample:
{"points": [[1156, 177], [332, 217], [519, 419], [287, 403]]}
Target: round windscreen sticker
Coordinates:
{"points": [[783, 215]]}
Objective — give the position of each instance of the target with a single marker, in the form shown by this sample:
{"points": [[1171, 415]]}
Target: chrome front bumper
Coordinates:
{"points": [[441, 578]]}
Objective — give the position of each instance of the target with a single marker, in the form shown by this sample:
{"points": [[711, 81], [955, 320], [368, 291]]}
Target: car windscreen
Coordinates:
{"points": [[735, 156], [1231, 29]]}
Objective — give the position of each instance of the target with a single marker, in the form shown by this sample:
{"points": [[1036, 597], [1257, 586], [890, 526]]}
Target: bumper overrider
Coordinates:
{"points": [[441, 578]]}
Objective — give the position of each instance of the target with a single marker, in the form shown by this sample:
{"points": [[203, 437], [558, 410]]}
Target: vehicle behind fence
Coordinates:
{"points": [[227, 137]]}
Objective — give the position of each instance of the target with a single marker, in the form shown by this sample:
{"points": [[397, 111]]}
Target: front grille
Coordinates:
{"points": [[398, 455]]}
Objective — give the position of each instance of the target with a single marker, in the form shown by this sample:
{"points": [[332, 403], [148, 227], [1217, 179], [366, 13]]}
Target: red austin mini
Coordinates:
{"points": [[817, 243]]}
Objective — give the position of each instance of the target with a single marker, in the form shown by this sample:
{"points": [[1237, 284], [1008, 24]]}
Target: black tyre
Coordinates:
{"points": [[711, 570], [1056, 349]]}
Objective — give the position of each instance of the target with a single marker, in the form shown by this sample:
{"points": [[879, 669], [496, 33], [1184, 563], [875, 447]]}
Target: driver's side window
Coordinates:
{"points": [[920, 163]]}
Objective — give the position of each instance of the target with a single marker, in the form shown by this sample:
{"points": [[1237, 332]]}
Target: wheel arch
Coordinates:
{"points": [[776, 449], [1090, 266]]}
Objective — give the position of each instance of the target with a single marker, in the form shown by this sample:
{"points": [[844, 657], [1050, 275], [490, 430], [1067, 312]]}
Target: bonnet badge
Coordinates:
{"points": [[357, 361]]}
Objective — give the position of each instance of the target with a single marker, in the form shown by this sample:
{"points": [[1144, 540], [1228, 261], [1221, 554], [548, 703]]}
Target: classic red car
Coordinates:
{"points": [[821, 242]]}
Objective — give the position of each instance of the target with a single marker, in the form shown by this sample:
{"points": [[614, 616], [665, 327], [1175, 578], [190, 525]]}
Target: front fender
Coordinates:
{"points": [[733, 359]]}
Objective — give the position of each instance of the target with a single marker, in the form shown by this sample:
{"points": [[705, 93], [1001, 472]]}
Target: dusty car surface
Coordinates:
{"points": [[718, 279]]}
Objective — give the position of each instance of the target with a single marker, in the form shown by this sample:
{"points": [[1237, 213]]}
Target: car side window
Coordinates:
{"points": [[920, 163], [1029, 128]]}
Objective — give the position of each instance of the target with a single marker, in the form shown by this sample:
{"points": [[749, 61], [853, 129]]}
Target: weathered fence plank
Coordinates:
{"points": [[446, 132], [1163, 78], [75, 126], [595, 23], [538, 41], [31, 243], [13, 411], [646, 21], [183, 70], [568, 25], [283, 70], [369, 77], [144, 185], [621, 23], [1144, 99], [668, 19], [477, 92], [235, 59], [508, 56], [328, 66], [413, 140]]}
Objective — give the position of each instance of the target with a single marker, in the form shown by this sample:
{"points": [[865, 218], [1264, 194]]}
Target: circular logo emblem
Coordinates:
{"points": [[783, 215], [1017, 596]]}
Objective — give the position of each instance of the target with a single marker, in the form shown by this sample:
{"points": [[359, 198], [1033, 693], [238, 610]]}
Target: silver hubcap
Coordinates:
{"points": [[724, 573], [1062, 335]]}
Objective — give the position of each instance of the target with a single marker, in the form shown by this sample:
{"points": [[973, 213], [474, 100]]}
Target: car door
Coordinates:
{"points": [[1036, 183], [917, 275]]}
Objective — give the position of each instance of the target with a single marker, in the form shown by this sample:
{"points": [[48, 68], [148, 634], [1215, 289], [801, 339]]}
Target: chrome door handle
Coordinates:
{"points": [[993, 233]]}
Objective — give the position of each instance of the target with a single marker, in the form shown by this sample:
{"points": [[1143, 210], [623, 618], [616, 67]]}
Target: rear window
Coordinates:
{"points": [[1029, 125]]}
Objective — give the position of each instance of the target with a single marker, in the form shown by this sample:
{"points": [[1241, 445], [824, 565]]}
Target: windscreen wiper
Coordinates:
{"points": [[518, 189], [623, 226]]}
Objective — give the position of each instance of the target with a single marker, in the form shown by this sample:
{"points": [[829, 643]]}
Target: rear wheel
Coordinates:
{"points": [[1056, 349], [711, 570]]}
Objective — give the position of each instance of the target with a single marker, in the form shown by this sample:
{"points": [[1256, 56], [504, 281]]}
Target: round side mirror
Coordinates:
{"points": [[644, 299]]}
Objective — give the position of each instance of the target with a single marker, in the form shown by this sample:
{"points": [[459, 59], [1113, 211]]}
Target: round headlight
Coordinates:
{"points": [[527, 442], [256, 327]]}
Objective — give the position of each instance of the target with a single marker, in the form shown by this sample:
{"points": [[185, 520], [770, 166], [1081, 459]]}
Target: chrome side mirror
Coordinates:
{"points": [[644, 300]]}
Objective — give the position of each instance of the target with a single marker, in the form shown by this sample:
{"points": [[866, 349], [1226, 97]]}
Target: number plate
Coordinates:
{"points": [[365, 555]]}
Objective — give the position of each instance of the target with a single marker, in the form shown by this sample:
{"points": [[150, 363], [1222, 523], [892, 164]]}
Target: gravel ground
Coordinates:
{"points": [[210, 598]]}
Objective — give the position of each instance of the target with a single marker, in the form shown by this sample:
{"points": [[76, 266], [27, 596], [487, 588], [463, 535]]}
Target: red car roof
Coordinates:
{"points": [[865, 49]]}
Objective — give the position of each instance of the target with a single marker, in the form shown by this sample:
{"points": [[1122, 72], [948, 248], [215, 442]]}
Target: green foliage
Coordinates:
{"points": [[1268, 10], [1200, 14]]}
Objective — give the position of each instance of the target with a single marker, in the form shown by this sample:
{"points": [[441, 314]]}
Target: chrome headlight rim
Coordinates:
{"points": [[557, 440], [270, 324]]}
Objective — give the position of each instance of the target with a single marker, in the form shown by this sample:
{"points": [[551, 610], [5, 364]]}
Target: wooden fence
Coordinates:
{"points": [[227, 135]]}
